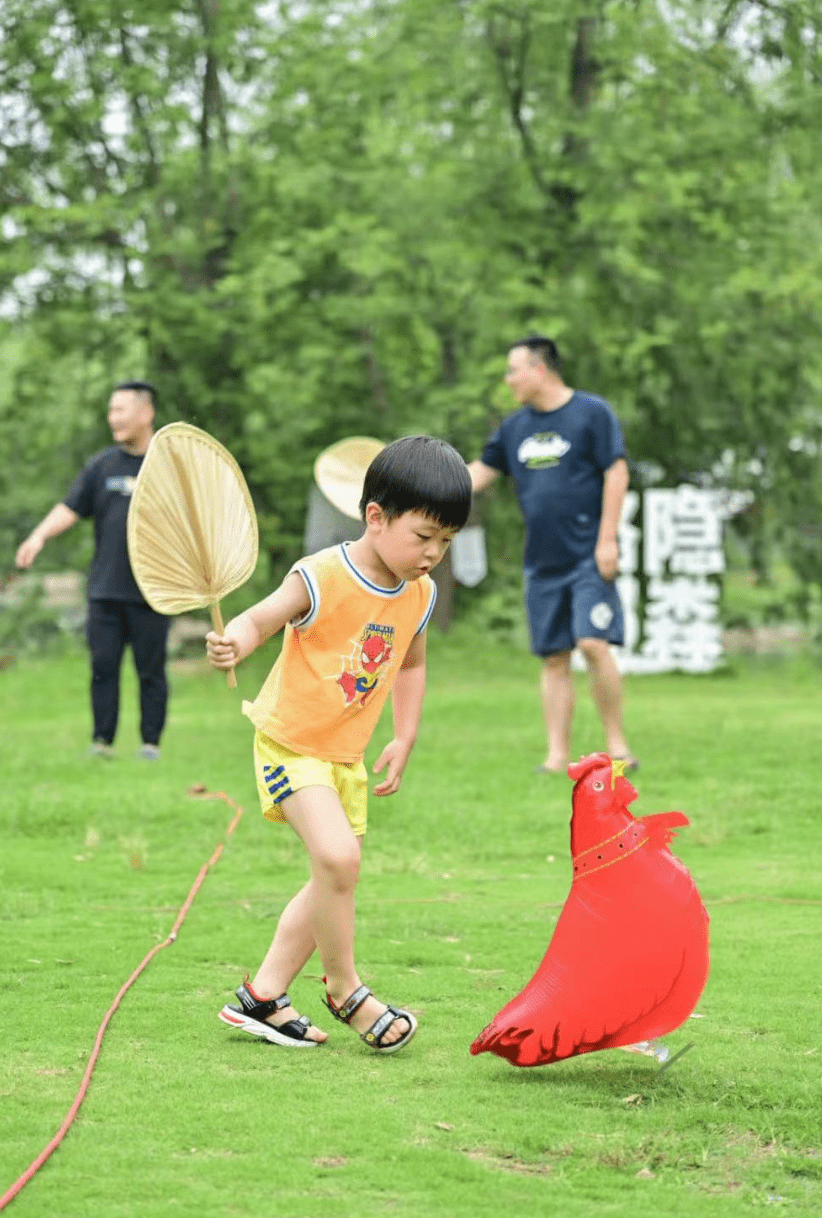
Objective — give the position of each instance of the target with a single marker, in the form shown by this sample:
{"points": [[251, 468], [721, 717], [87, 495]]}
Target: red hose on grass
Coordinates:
{"points": [[33, 1167]]}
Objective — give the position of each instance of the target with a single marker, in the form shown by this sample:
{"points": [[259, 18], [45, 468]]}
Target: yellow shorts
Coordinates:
{"points": [[280, 772]]}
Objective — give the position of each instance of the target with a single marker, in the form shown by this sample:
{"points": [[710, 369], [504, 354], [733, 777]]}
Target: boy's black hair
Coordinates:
{"points": [[544, 348], [419, 474], [140, 387]]}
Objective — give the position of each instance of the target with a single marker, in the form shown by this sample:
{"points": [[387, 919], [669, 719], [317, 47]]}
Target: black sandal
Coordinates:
{"points": [[251, 1015], [373, 1037]]}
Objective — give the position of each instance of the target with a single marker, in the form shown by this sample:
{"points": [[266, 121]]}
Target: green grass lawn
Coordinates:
{"points": [[464, 876]]}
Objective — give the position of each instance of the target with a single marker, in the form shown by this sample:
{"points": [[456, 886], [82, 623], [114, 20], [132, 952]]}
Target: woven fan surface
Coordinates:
{"points": [[192, 531]]}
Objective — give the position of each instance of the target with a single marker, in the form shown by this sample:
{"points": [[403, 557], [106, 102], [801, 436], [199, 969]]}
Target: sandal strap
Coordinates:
{"points": [[352, 1004], [380, 1026], [296, 1028], [258, 1009]]}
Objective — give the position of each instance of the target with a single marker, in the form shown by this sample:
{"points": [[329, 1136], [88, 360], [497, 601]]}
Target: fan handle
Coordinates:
{"points": [[217, 623]]}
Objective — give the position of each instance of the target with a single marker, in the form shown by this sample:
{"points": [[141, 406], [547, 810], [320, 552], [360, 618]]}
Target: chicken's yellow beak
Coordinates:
{"points": [[617, 770]]}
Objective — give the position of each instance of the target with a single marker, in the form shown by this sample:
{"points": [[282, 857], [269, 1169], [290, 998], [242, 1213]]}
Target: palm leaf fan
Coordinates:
{"points": [[192, 531]]}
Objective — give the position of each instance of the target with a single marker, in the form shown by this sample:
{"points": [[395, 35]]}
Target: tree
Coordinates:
{"points": [[316, 220]]}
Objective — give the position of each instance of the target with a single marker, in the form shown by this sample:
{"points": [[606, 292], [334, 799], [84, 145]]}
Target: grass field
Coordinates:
{"points": [[464, 876]]}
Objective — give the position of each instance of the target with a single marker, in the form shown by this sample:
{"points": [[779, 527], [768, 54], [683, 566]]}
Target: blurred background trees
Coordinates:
{"points": [[310, 220]]}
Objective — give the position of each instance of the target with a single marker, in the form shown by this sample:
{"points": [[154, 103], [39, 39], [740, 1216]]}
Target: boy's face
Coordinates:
{"points": [[410, 545]]}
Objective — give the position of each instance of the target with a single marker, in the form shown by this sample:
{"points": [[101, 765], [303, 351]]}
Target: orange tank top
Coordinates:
{"points": [[324, 695]]}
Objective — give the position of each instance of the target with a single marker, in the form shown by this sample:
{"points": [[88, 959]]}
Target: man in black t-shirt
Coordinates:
{"points": [[117, 611]]}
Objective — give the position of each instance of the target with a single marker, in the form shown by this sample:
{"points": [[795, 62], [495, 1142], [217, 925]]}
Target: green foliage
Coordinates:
{"points": [[304, 222], [799, 494], [28, 625]]}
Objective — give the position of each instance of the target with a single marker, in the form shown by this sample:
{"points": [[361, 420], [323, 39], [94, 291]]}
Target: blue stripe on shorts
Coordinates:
{"points": [[277, 782]]}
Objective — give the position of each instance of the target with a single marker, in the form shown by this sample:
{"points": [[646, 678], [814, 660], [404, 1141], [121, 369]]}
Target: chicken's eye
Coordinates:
{"points": [[598, 786]]}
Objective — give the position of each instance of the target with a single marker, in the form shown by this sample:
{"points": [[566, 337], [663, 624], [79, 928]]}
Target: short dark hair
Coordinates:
{"points": [[544, 348], [419, 474], [139, 387]]}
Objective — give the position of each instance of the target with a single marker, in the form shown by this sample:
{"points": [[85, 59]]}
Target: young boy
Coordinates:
{"points": [[355, 617]]}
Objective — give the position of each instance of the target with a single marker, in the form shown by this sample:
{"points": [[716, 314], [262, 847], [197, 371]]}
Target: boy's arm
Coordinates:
{"points": [[248, 630], [407, 697], [614, 486]]}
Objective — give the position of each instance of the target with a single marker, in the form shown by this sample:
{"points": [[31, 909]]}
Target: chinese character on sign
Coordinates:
{"points": [[682, 629], [683, 528], [682, 553]]}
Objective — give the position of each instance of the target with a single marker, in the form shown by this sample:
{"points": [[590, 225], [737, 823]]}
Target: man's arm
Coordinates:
{"points": [[482, 475], [59, 519], [407, 698], [614, 485]]}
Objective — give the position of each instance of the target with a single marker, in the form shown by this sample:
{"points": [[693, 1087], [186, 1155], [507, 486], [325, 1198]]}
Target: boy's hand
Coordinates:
{"points": [[222, 652], [394, 755]]}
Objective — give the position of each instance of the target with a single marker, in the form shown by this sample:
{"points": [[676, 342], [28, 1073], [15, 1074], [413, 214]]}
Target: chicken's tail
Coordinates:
{"points": [[521, 1046]]}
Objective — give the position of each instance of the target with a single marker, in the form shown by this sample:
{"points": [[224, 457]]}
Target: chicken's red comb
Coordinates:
{"points": [[594, 761]]}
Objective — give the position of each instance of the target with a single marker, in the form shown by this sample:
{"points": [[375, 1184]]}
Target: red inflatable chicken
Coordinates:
{"points": [[629, 957]]}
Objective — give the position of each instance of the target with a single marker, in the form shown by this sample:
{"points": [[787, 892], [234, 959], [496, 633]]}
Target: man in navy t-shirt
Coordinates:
{"points": [[117, 610], [565, 453]]}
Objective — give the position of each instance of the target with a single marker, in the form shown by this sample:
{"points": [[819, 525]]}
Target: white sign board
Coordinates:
{"points": [[668, 580]]}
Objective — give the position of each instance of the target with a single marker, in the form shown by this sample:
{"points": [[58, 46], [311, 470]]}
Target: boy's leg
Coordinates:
{"points": [[558, 699], [318, 818], [290, 949]]}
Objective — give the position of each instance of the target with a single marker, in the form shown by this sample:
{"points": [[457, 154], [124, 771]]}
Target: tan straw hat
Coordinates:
{"points": [[339, 472]]}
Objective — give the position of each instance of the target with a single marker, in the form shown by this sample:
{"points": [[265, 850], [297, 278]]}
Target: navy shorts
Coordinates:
{"points": [[575, 604]]}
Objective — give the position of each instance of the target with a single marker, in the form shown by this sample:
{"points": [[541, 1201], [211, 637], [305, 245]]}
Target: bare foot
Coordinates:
{"points": [[551, 766], [631, 762]]}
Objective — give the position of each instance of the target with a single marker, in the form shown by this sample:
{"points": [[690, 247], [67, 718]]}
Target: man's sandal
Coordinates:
{"points": [[374, 1036], [252, 1013]]}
